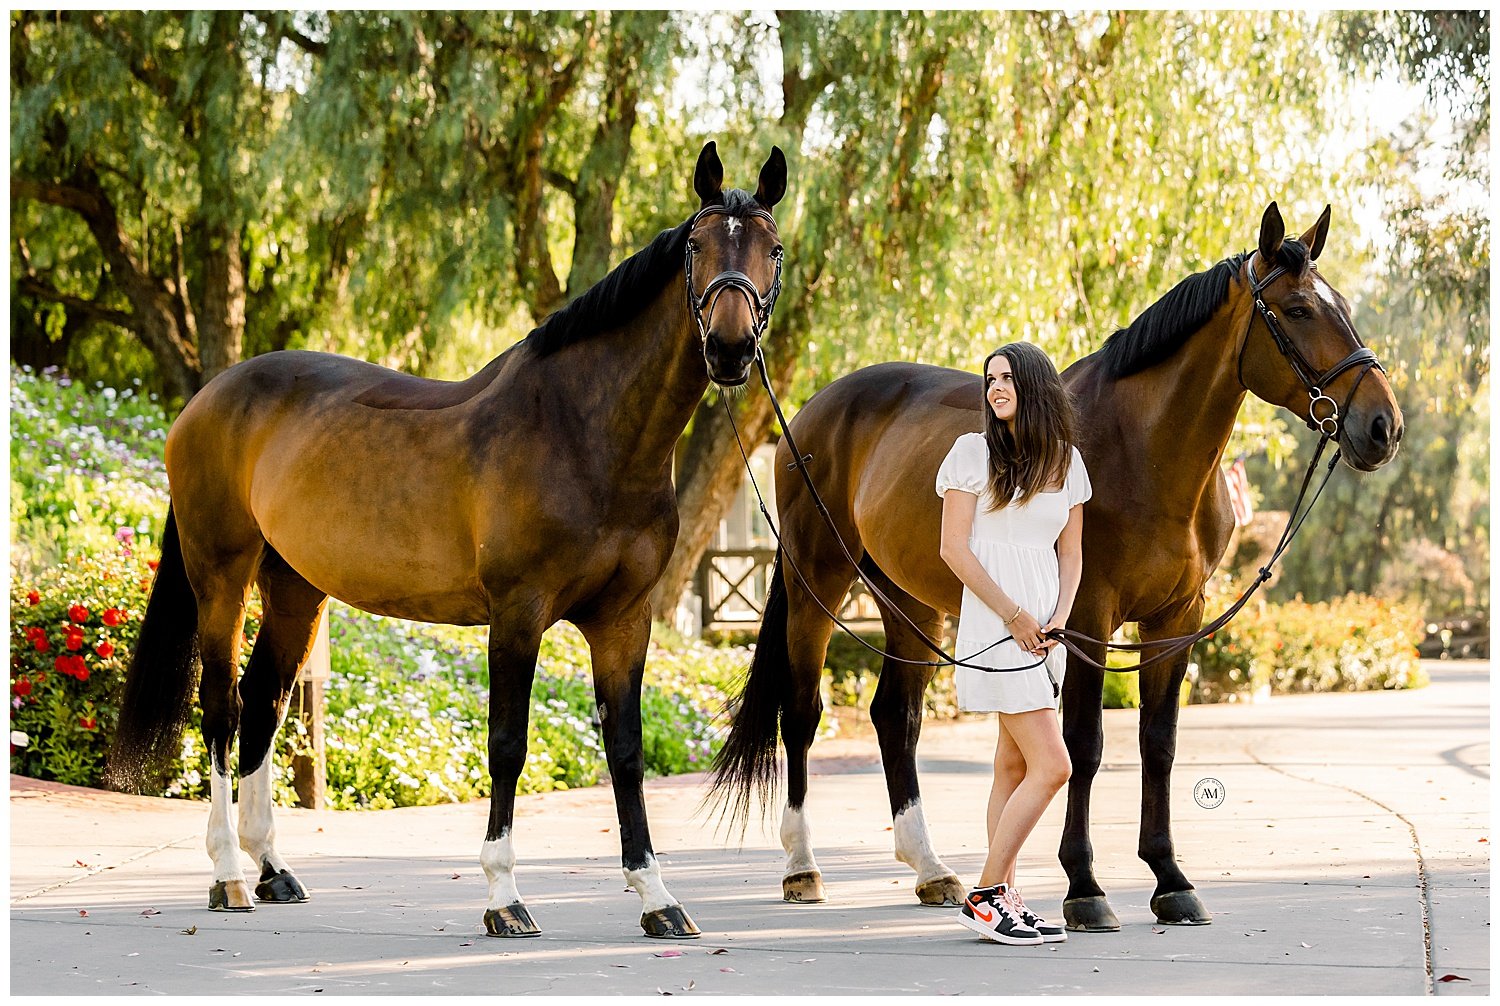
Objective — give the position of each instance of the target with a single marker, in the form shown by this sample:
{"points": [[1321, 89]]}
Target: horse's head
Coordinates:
{"points": [[1301, 350], [733, 265]]}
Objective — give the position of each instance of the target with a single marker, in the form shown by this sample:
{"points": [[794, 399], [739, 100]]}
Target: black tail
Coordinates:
{"points": [[746, 765], [163, 674]]}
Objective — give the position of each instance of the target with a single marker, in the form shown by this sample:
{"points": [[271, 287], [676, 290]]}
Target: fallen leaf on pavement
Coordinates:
{"points": [[689, 986], [189, 931], [719, 950], [150, 911], [79, 862], [1453, 978], [661, 991], [456, 876], [728, 971], [1157, 931], [1307, 946], [669, 953]]}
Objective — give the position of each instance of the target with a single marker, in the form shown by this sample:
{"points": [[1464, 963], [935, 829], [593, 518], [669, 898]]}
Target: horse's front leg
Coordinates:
{"points": [[1174, 900], [515, 638], [1085, 908], [619, 647]]}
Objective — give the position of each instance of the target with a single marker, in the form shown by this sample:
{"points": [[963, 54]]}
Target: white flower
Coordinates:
{"points": [[19, 739]]}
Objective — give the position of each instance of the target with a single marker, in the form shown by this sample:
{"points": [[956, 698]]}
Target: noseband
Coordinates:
{"points": [[731, 279], [1314, 382]]}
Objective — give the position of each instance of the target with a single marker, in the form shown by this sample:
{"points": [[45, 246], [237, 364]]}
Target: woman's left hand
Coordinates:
{"points": [[1052, 626]]}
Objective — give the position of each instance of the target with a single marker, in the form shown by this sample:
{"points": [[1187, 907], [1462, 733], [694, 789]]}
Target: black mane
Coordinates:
{"points": [[1163, 327], [628, 289]]}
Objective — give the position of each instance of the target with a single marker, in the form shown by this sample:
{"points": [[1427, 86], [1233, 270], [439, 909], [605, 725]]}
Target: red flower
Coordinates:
{"points": [[78, 613], [41, 642], [87, 722], [73, 640], [153, 563], [80, 669], [33, 598], [105, 649], [113, 616], [22, 687], [63, 664]]}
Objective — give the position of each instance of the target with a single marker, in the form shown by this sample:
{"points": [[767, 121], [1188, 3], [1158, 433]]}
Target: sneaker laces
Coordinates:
{"points": [[1027, 915]]}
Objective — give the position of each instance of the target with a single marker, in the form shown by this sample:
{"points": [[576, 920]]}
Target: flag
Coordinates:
{"points": [[1239, 493]]}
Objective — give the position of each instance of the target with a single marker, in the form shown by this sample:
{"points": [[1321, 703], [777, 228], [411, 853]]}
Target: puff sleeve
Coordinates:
{"points": [[966, 467], [1079, 488]]}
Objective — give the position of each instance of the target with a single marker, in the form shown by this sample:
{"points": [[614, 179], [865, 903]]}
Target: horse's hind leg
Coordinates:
{"points": [[287, 632], [1174, 900], [897, 715], [220, 565]]}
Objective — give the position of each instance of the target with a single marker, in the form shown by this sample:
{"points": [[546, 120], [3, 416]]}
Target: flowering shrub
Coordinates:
{"points": [[86, 469], [1352, 644]]}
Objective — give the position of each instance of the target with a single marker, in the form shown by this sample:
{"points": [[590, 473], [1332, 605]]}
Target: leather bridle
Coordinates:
{"points": [[1316, 384], [732, 279]]}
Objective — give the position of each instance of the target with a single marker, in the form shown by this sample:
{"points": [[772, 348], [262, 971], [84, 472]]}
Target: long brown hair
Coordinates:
{"points": [[1037, 454]]}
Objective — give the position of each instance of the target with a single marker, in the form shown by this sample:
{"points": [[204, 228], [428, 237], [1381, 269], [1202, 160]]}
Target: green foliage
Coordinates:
{"points": [[1353, 643], [86, 469]]}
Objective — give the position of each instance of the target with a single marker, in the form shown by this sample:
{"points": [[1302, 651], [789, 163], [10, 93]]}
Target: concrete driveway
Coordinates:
{"points": [[1350, 856]]}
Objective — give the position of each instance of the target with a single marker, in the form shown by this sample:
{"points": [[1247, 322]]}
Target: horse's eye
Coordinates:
{"points": [[693, 246], [1299, 313], [777, 253]]}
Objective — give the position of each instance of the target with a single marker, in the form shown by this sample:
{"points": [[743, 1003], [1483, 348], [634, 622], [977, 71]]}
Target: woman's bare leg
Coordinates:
{"points": [[1038, 737], [1010, 769]]}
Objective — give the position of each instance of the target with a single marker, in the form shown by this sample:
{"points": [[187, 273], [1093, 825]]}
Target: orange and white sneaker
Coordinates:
{"points": [[1051, 932], [988, 911]]}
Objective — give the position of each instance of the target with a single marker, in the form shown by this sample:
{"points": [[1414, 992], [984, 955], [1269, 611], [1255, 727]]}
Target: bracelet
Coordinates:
{"points": [[1013, 616]]}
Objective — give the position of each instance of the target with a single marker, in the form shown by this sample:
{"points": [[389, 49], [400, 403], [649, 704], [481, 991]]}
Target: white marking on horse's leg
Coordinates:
{"points": [[222, 847], [498, 857], [257, 827], [648, 884], [796, 839], [914, 844]]}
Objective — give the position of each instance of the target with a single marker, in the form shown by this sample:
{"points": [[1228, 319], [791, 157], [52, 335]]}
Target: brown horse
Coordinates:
{"points": [[1156, 406], [539, 489]]}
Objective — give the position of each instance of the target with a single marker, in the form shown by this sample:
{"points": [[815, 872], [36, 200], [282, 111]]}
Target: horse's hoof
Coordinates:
{"points": [[510, 921], [230, 896], [1180, 908], [803, 888], [280, 887], [942, 891], [1090, 915], [670, 923]]}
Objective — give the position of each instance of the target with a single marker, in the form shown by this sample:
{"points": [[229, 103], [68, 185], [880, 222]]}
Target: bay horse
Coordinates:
{"points": [[538, 489], [1156, 407]]}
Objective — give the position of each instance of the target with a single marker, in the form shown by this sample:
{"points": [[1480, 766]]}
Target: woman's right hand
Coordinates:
{"points": [[1027, 632]]}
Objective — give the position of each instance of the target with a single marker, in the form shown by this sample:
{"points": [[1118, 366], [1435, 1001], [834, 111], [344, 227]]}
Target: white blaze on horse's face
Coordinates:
{"points": [[1000, 389], [733, 225]]}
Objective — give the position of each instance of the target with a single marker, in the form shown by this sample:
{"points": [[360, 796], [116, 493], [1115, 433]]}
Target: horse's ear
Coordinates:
{"points": [[1315, 237], [1272, 231], [708, 176], [772, 179]]}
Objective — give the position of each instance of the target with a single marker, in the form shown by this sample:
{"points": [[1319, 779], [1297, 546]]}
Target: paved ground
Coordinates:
{"points": [[1350, 856]]}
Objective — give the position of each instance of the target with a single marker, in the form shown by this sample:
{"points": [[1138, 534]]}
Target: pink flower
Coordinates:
{"points": [[125, 535]]}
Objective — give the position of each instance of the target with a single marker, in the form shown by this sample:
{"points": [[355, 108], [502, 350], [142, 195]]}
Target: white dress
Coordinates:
{"points": [[1016, 546]]}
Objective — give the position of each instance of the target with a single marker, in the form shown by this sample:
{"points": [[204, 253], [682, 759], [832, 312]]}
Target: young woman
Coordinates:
{"points": [[1012, 532]]}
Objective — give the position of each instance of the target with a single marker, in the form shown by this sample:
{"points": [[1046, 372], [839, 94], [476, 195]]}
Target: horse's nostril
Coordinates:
{"points": [[1379, 431]]}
